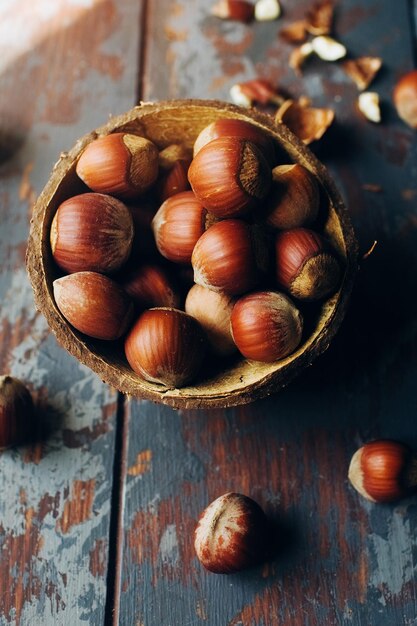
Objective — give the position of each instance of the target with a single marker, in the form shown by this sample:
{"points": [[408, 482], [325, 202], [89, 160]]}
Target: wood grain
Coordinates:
{"points": [[341, 560], [63, 68]]}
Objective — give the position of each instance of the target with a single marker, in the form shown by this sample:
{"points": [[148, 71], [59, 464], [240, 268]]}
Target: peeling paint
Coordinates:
{"points": [[142, 464], [168, 545], [394, 565], [98, 558], [78, 508]]}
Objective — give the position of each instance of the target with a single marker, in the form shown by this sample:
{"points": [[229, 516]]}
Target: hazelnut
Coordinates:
{"points": [[405, 98], [174, 180], [266, 326], [119, 164], [327, 48], [229, 176], [238, 10], [230, 127], [383, 471], [174, 162], [17, 415], [368, 104], [256, 90], [166, 346], [172, 154], [177, 226], [294, 199], [213, 310], [267, 10], [306, 267], [150, 286], [91, 232], [232, 534], [94, 304], [228, 257]]}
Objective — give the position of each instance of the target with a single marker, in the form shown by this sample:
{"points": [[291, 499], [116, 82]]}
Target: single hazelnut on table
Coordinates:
{"points": [[178, 224], [232, 534], [405, 98], [120, 164], [166, 346], [383, 471], [94, 304], [91, 232], [229, 257], [17, 415], [306, 267], [229, 127], [213, 310], [294, 197], [150, 286], [266, 326], [230, 175]]}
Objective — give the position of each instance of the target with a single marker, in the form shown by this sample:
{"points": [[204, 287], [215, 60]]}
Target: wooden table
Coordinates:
{"points": [[97, 516]]}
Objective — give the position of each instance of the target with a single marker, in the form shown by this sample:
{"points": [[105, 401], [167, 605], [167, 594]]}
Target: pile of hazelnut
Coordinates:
{"points": [[227, 217]]}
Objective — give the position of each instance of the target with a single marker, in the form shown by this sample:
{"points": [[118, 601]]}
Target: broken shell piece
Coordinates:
{"points": [[299, 55], [258, 90], [307, 123], [368, 103], [362, 70], [320, 18], [267, 10], [327, 48], [295, 32], [238, 97], [238, 10]]}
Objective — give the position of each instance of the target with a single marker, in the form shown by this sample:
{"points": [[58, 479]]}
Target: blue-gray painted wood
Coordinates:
{"points": [[64, 67], [344, 560]]}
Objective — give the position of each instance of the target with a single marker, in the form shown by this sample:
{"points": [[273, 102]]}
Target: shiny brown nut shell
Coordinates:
{"points": [[306, 266], [166, 346], [93, 304], [225, 258], [177, 226], [383, 471], [91, 232], [120, 164], [232, 534], [266, 326], [230, 176]]}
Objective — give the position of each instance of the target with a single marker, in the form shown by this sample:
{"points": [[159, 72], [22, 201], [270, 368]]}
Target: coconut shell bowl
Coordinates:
{"points": [[222, 380]]}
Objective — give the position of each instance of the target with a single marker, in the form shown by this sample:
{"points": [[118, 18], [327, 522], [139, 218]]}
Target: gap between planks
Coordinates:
{"points": [[117, 503], [115, 551]]}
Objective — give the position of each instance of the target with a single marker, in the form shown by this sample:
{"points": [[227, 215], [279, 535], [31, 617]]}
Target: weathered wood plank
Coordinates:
{"points": [[63, 68], [345, 561]]}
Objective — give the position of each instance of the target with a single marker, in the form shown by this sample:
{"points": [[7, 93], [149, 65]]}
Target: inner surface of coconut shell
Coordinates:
{"points": [[228, 383]]}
